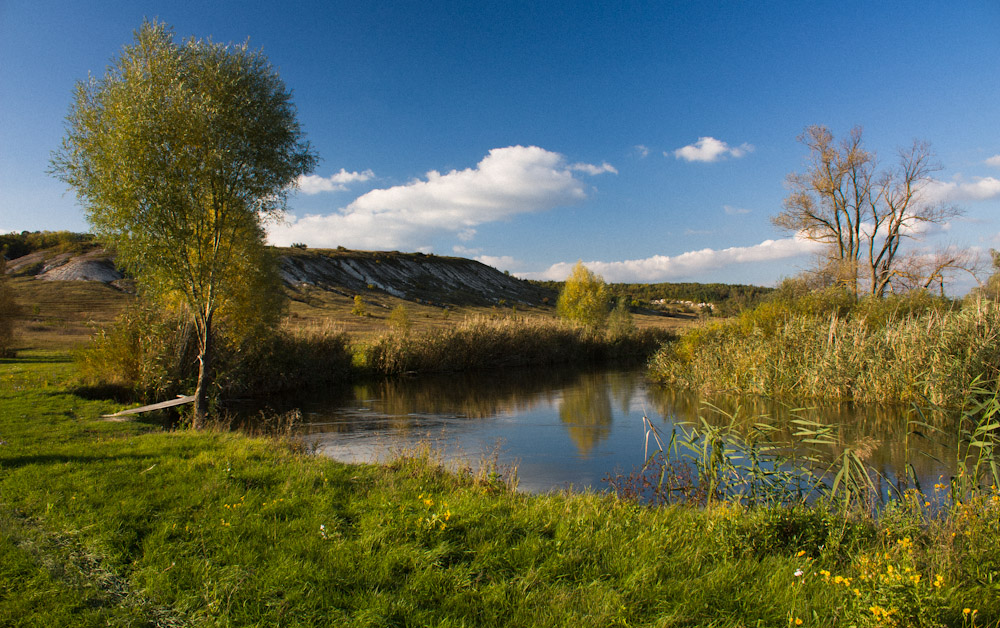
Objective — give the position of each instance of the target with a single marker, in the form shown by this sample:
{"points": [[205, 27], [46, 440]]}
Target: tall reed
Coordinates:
{"points": [[483, 342], [928, 358]]}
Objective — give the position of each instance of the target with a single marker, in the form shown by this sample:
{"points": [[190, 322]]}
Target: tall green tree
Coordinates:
{"points": [[180, 153], [584, 298]]}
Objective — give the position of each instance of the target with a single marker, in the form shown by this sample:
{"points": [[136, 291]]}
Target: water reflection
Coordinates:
{"points": [[585, 408], [567, 427]]}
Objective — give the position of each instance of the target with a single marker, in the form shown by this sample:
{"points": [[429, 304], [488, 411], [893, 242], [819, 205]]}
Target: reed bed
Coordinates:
{"points": [[931, 357], [483, 342]]}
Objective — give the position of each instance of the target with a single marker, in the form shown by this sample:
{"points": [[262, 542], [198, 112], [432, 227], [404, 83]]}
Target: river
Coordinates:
{"points": [[568, 428]]}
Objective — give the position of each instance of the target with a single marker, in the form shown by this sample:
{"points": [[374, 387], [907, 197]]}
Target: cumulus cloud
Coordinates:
{"points": [[507, 182], [979, 189], [641, 150], [686, 265], [336, 182], [502, 262], [993, 161], [709, 149], [594, 170], [734, 211]]}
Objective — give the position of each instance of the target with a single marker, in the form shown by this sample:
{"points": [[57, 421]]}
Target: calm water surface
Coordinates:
{"points": [[564, 429]]}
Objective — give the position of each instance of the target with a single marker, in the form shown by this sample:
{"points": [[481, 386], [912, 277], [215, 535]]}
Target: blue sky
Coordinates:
{"points": [[650, 140]]}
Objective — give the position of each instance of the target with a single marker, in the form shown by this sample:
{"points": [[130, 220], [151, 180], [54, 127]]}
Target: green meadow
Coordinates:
{"points": [[140, 524]]}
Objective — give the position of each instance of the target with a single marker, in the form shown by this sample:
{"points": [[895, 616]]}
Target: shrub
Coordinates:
{"points": [[359, 306], [153, 353], [399, 319]]}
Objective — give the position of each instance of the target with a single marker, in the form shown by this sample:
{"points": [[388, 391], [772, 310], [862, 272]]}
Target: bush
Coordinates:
{"points": [[154, 354], [399, 319]]}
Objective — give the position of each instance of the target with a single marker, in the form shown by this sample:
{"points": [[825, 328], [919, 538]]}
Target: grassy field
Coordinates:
{"points": [[140, 524], [133, 524], [65, 314]]}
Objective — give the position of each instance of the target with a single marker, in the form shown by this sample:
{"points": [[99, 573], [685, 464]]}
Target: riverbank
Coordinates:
{"points": [[892, 350], [135, 524]]}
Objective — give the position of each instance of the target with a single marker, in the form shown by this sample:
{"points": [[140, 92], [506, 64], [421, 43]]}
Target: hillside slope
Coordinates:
{"points": [[415, 277]]}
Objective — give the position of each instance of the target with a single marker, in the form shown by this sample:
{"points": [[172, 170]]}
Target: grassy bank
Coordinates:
{"points": [[870, 353], [131, 524]]}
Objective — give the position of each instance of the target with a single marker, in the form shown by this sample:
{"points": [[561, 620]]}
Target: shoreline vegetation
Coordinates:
{"points": [[913, 349], [101, 526], [147, 356]]}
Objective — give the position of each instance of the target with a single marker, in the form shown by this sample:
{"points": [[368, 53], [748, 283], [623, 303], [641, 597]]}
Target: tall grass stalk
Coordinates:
{"points": [[483, 342], [926, 358]]}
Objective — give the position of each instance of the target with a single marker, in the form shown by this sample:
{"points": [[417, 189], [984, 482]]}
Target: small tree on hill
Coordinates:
{"points": [[179, 154], [399, 319], [359, 306], [584, 298]]}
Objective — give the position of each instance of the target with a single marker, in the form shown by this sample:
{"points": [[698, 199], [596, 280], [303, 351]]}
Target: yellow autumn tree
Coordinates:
{"points": [[584, 298]]}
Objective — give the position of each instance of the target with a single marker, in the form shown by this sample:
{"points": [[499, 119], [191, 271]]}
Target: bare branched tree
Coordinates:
{"points": [[843, 200]]}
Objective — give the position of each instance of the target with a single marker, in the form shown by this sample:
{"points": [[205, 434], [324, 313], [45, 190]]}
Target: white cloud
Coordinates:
{"points": [[709, 149], [641, 151], [507, 182], [979, 189], [686, 265], [734, 211], [336, 182], [993, 161], [503, 262], [594, 170]]}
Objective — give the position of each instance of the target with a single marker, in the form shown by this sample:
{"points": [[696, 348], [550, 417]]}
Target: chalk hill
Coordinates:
{"points": [[428, 279]]}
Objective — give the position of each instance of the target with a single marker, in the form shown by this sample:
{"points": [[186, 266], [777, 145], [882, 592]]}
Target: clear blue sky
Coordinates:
{"points": [[533, 135]]}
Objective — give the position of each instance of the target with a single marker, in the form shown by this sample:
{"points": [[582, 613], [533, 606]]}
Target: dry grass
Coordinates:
{"points": [[65, 314]]}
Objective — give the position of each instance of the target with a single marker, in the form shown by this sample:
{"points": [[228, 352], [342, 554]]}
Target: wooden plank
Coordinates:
{"points": [[181, 400]]}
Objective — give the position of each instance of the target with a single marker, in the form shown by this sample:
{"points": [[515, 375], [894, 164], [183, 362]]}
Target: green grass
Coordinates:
{"points": [[132, 524]]}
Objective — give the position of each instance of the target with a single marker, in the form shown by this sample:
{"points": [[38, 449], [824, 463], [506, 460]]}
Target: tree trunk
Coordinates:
{"points": [[204, 374]]}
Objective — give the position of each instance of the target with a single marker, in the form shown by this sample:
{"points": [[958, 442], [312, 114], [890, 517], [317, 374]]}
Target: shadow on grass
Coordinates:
{"points": [[16, 462], [102, 392], [32, 358]]}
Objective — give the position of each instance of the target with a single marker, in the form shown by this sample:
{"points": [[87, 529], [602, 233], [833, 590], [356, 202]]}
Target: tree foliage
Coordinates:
{"points": [[584, 298], [862, 213], [25, 242], [179, 154]]}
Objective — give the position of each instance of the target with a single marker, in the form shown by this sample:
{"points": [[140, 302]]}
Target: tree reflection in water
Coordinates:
{"points": [[585, 408]]}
